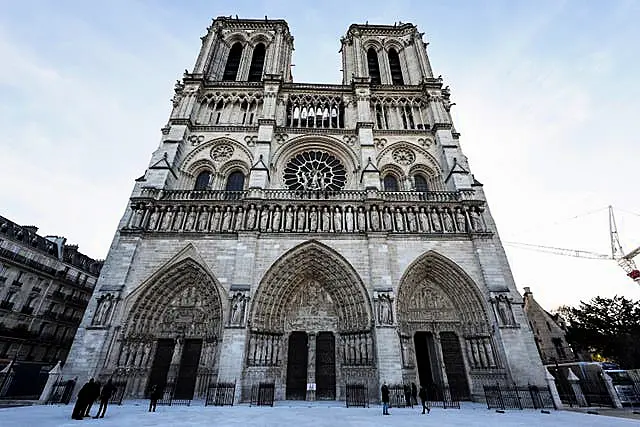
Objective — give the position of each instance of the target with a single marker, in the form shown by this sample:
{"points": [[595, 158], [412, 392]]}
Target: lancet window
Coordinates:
{"points": [[233, 63], [227, 109], [399, 113], [325, 112], [374, 67], [391, 183], [257, 63], [203, 180], [235, 181], [420, 183], [394, 67]]}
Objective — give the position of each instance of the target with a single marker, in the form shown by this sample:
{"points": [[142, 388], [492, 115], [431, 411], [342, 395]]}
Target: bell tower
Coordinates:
{"points": [[388, 55], [245, 50]]}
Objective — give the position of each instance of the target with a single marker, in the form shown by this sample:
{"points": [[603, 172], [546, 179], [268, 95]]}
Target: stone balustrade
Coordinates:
{"points": [[285, 211]]}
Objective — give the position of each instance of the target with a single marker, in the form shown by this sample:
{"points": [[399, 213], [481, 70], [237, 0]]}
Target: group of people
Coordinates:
{"points": [[88, 394], [410, 395]]}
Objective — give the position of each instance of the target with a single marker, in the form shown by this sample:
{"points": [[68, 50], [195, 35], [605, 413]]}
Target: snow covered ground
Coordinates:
{"points": [[300, 415]]}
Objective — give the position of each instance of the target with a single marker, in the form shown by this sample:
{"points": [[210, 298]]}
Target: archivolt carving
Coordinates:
{"points": [[427, 159], [315, 272], [183, 301], [433, 290], [203, 152]]}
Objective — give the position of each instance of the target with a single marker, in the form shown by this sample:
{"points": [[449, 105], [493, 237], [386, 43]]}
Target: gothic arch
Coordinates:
{"points": [[311, 261], [434, 289], [202, 152], [426, 159]]}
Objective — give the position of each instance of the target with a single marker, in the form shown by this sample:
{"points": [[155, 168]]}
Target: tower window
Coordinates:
{"points": [[394, 67], [235, 181], [374, 68], [202, 181], [390, 183], [257, 63], [421, 183], [233, 63]]}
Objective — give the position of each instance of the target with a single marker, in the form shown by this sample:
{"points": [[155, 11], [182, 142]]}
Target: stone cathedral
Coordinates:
{"points": [[307, 235]]}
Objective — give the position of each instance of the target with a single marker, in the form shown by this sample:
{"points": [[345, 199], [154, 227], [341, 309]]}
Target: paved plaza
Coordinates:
{"points": [[301, 415]]}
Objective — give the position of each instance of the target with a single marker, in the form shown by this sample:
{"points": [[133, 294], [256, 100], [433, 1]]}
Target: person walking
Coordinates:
{"points": [[105, 395], [414, 394], [407, 396], [423, 399], [92, 396], [84, 394], [154, 396], [384, 390]]}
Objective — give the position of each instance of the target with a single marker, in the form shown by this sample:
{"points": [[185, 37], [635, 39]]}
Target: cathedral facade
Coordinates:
{"points": [[307, 235]]}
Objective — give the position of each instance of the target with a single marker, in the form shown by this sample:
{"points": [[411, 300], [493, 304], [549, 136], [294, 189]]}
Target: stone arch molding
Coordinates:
{"points": [[204, 152], [435, 290], [311, 271], [182, 298]]}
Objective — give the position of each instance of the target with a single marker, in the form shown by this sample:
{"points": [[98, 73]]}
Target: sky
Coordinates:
{"points": [[546, 95]]}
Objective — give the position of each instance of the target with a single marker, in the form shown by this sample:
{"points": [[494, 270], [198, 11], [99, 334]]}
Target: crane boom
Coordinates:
{"points": [[559, 251], [624, 261]]}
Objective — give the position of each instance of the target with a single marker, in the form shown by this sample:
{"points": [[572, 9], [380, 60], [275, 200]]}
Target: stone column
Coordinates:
{"points": [[6, 376], [54, 376], [608, 382], [551, 382], [311, 362], [575, 387]]}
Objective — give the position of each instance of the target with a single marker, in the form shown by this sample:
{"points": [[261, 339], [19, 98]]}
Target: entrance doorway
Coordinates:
{"points": [[297, 366], [454, 364], [326, 366], [427, 359], [186, 381], [161, 363]]}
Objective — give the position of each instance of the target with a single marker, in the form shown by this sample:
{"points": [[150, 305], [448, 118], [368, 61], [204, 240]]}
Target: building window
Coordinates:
{"points": [[394, 67], [235, 181], [202, 181], [391, 183], [233, 63], [421, 183], [374, 68], [257, 63]]}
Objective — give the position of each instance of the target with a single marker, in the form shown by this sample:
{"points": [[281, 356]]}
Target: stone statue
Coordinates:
{"points": [[505, 314], [374, 217], [288, 220], [337, 220], [411, 220], [203, 219], [313, 220], [136, 217], [301, 217], [385, 310], [191, 219], [348, 220], [177, 224], [399, 220], [153, 220], [215, 221], [251, 218], [461, 221], [435, 221], [447, 221], [238, 225], [275, 219], [238, 305], [226, 220], [326, 219], [361, 219], [264, 218], [476, 221], [167, 219], [387, 221], [423, 220]]}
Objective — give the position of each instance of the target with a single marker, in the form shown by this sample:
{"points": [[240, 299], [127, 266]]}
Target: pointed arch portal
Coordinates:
{"points": [[172, 332], [311, 323], [443, 322]]}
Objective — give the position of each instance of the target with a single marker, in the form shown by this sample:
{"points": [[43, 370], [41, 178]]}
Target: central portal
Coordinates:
{"points": [[297, 366], [326, 366]]}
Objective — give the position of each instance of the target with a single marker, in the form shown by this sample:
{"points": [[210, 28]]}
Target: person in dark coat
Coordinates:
{"points": [[92, 396], [414, 394], [154, 395], [384, 390], [407, 396], [81, 402], [105, 395], [423, 399]]}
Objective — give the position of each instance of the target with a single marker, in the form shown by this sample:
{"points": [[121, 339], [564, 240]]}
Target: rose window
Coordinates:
{"points": [[314, 170]]}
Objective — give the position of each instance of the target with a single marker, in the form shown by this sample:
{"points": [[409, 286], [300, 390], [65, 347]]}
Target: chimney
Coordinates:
{"points": [[527, 290]]}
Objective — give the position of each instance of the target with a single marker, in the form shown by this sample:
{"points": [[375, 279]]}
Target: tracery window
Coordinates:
{"points": [[257, 63], [203, 180], [394, 67], [233, 63], [374, 67], [315, 170], [235, 181], [315, 112], [421, 183], [391, 183]]}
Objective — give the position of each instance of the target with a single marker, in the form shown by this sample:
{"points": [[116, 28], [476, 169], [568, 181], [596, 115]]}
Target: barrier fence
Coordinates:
{"points": [[262, 394], [61, 392], [518, 397], [357, 395], [168, 397], [220, 394]]}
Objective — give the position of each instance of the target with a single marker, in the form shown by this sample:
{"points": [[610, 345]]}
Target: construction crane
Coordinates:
{"points": [[617, 254]]}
